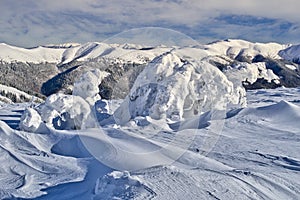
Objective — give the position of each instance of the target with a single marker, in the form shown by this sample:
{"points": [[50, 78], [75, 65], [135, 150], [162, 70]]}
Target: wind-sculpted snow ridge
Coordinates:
{"points": [[26, 169], [256, 157]]}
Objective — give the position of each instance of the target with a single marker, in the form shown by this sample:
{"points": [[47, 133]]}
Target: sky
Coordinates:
{"points": [[29, 23]]}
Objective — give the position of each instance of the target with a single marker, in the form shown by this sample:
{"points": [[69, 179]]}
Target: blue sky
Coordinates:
{"points": [[35, 22]]}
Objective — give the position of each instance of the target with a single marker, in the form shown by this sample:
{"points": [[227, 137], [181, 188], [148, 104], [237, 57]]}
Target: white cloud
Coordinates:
{"points": [[32, 22]]}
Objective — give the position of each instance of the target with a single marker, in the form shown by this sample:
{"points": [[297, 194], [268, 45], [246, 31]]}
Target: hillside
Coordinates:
{"points": [[45, 70], [139, 122]]}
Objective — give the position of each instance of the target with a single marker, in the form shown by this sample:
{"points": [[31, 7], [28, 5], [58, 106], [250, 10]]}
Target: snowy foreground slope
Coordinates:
{"points": [[187, 128], [255, 156]]}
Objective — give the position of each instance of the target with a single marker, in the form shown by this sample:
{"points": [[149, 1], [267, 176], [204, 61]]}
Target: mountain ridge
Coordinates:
{"points": [[270, 65]]}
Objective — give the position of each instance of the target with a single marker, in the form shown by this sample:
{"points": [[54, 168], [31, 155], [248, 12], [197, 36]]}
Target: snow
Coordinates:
{"points": [[182, 132], [5, 100], [62, 111], [124, 53], [254, 156], [65, 53], [174, 89], [258, 150], [34, 55], [18, 93], [234, 48], [26, 170], [59, 111], [250, 72], [30, 120], [120, 185], [138, 53], [87, 85], [88, 50], [291, 53], [292, 67]]}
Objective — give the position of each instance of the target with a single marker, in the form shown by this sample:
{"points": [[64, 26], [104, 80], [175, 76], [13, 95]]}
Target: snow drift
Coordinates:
{"points": [[27, 169]]}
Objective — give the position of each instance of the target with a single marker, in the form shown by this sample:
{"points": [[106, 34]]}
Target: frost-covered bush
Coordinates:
{"points": [[87, 86], [173, 88], [30, 120], [66, 112], [75, 111]]}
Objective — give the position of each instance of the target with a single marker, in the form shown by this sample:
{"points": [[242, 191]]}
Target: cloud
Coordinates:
{"points": [[31, 22]]}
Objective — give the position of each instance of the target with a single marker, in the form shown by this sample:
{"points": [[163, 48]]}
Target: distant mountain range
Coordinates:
{"points": [[44, 70]]}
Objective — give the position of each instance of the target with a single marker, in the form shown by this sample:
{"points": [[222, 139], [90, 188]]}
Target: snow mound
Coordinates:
{"points": [[283, 111], [87, 85], [121, 185], [250, 73], [59, 111], [30, 120], [62, 111], [66, 112], [282, 115], [172, 88], [291, 53]]}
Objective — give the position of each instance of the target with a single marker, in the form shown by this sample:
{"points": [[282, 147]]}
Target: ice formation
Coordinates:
{"points": [[87, 85], [75, 111], [173, 88], [30, 120]]}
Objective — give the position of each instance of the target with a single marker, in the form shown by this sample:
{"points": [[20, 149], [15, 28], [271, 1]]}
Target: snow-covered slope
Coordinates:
{"points": [[124, 53], [65, 53], [136, 53], [271, 71], [292, 53], [17, 95], [255, 156], [28, 166], [234, 48], [173, 137], [34, 55]]}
